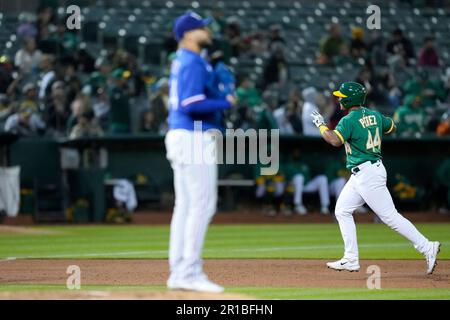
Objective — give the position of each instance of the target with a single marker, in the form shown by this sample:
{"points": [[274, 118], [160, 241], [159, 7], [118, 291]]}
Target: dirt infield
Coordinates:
{"points": [[252, 216], [118, 295], [239, 273]]}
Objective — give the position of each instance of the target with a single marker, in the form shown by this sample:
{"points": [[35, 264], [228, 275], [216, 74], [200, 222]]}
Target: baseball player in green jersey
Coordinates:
{"points": [[361, 132]]}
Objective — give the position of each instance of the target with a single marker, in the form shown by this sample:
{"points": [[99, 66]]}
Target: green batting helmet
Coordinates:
{"points": [[352, 94]]}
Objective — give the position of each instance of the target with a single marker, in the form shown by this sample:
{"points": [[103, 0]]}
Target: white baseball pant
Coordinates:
{"points": [[369, 186], [319, 183], [195, 201]]}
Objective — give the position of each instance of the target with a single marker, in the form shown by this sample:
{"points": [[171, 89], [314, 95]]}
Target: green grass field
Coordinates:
{"points": [[295, 241]]}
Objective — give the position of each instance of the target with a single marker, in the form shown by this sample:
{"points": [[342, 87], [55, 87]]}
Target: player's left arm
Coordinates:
{"points": [[389, 126], [330, 136]]}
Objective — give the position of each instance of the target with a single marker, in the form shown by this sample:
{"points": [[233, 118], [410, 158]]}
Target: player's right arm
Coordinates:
{"points": [[191, 91], [333, 137]]}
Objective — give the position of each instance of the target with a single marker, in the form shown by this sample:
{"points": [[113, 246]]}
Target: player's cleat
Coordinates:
{"points": [[431, 256], [325, 210], [200, 284], [173, 283], [301, 210], [344, 264]]}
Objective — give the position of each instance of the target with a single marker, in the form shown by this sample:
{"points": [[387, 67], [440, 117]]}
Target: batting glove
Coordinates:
{"points": [[317, 119]]}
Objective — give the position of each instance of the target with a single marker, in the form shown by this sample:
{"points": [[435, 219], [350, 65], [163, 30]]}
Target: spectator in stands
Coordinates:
{"points": [[45, 22], [56, 112], [84, 61], [309, 106], [336, 113], [98, 79], [5, 108], [27, 27], [276, 40], [218, 25], [276, 69], [119, 102], [77, 107], [159, 106], [377, 93], [70, 77], [28, 59], [344, 56], [443, 128], [67, 39], [387, 83], [430, 91], [148, 122], [233, 36], [256, 44], [410, 118], [399, 44], [330, 45], [263, 114], [283, 122], [101, 107], [26, 122], [428, 56], [246, 93], [48, 74], [30, 98], [86, 127], [294, 110], [6, 73], [377, 49], [358, 47], [298, 174]]}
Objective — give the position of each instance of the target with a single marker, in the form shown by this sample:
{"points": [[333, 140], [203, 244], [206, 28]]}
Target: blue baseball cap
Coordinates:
{"points": [[187, 22]]}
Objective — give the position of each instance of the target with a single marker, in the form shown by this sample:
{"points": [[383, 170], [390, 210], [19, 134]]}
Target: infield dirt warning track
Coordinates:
{"points": [[227, 272]]}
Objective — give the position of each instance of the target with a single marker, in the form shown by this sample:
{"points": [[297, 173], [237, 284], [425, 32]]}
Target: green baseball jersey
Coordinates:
{"points": [[361, 131]]}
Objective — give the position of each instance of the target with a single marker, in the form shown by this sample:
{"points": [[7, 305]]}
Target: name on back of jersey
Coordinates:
{"points": [[368, 121]]}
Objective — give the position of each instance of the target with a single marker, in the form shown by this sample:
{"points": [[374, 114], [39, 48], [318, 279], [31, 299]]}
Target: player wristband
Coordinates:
{"points": [[323, 128]]}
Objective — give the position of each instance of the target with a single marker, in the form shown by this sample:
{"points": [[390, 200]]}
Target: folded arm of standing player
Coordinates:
{"points": [[193, 96]]}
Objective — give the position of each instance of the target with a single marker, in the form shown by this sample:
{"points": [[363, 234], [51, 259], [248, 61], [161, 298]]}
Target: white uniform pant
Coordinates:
{"points": [[195, 201], [369, 186], [319, 183]]}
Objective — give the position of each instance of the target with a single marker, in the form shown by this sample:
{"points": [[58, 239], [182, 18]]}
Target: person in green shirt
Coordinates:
{"points": [[247, 95], [330, 46], [119, 102], [429, 90], [298, 175], [361, 131], [262, 115], [410, 118]]}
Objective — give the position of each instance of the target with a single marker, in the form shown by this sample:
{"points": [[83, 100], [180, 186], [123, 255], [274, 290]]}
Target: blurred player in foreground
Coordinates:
{"points": [[361, 131], [191, 103]]}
